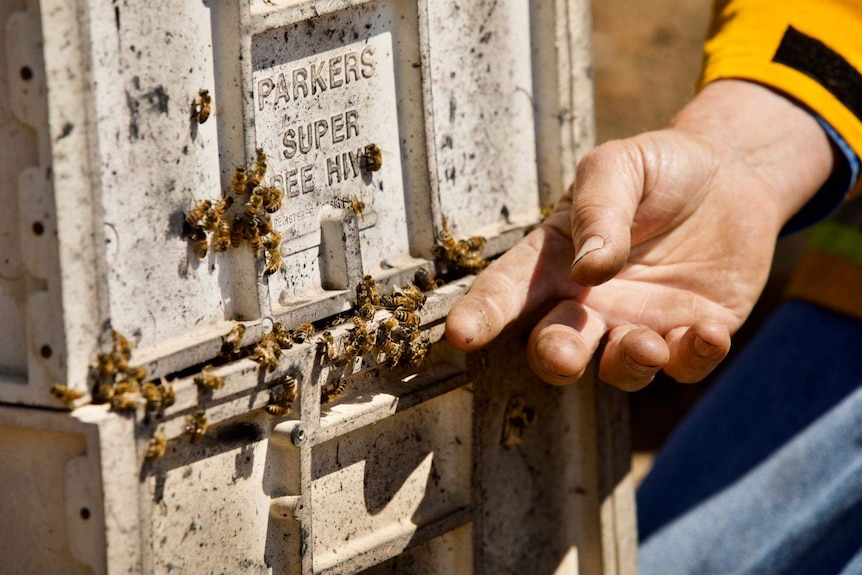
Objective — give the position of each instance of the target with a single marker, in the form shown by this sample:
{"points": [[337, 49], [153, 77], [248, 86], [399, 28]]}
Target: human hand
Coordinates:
{"points": [[672, 235]]}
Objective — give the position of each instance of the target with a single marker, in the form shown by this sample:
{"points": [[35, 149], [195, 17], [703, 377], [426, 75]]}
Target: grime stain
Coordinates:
{"points": [[158, 99]]}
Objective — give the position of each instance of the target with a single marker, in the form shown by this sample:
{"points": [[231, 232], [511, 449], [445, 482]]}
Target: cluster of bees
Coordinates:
{"points": [[122, 385], [458, 257], [394, 342], [207, 224]]}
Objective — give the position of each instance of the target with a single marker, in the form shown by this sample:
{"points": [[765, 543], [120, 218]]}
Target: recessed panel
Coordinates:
{"points": [[483, 108], [375, 487], [333, 102]]}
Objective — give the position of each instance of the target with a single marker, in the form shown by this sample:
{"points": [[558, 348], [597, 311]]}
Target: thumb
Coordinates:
{"points": [[608, 188]]}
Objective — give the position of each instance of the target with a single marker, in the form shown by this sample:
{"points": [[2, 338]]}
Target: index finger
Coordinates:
{"points": [[516, 283]]}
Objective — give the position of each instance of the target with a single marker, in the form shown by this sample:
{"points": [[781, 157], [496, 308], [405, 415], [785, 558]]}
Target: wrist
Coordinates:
{"points": [[752, 127]]}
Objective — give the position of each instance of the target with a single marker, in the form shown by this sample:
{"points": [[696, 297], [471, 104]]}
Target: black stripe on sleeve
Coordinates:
{"points": [[827, 67]]}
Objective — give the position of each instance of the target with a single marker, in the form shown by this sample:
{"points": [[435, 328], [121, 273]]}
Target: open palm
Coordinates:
{"points": [[673, 242]]}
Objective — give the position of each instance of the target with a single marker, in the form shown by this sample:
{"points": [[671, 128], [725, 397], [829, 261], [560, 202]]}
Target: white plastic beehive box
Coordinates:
{"points": [[475, 113]]}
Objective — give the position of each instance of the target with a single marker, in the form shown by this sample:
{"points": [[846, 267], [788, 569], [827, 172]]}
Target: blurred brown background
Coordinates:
{"points": [[647, 56]]}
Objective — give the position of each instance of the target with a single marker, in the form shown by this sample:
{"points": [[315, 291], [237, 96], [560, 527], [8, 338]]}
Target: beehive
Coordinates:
{"points": [[383, 123]]}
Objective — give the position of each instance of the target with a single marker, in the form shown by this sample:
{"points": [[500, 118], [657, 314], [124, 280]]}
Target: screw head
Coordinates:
{"points": [[298, 436]]}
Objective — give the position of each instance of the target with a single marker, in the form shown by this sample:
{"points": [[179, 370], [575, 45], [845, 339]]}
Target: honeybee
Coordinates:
{"points": [[475, 243], [258, 172], [463, 256], [331, 392], [273, 263], [282, 335], [210, 220], [200, 245], [255, 242], [425, 280], [66, 394], [260, 162], [239, 182], [392, 352], [281, 397], [389, 324], [272, 241], [373, 157], [410, 298], [357, 206], [222, 206], [271, 199], [348, 354], [196, 216], [217, 212], [262, 223], [237, 231], [472, 262], [414, 295], [208, 381], [269, 340], [406, 317], [267, 352], [390, 301], [326, 346], [125, 401], [362, 295], [360, 336], [519, 416], [338, 319], [196, 425], [367, 292], [136, 373], [104, 393], [221, 238], [153, 396], [366, 311], [202, 106], [157, 446], [385, 330], [303, 333], [459, 256], [169, 396], [445, 238], [254, 203], [121, 345], [233, 339], [105, 368], [416, 352], [127, 386]]}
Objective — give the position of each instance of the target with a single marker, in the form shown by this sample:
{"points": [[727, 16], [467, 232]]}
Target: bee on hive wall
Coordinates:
{"points": [[202, 106]]}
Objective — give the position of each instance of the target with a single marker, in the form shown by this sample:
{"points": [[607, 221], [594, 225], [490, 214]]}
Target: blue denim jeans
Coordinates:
{"points": [[764, 476]]}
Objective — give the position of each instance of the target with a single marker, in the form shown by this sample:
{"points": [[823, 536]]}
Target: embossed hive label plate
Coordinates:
{"points": [[324, 90]]}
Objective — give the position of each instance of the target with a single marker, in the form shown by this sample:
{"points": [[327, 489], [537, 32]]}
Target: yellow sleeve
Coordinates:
{"points": [[809, 49]]}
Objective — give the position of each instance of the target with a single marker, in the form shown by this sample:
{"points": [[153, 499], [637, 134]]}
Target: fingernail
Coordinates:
{"points": [[639, 367], [591, 244], [703, 348]]}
